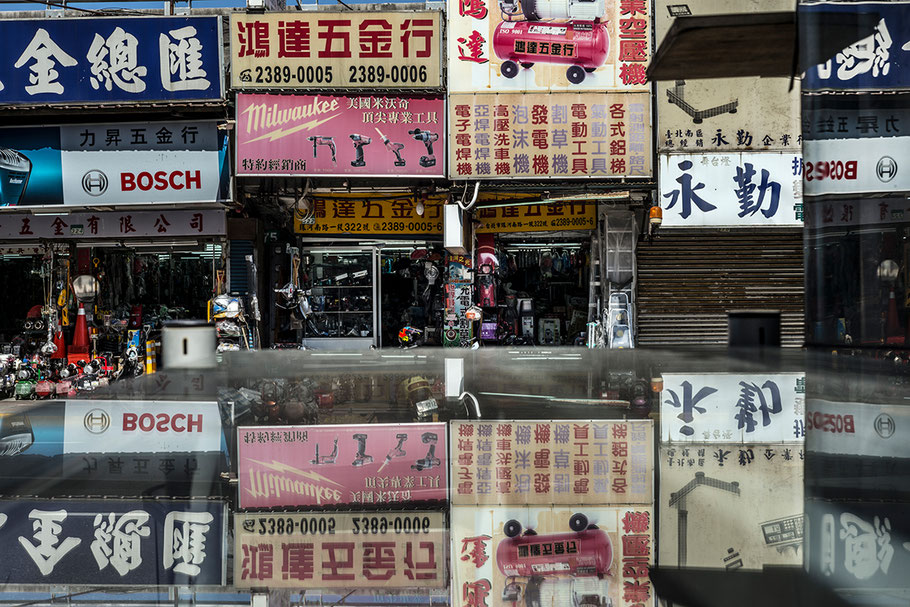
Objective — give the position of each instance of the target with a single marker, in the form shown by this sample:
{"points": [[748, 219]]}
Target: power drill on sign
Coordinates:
{"points": [[427, 138], [395, 148], [323, 140], [359, 142]]}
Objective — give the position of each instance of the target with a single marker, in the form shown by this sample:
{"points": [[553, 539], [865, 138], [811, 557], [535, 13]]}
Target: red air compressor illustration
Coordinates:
{"points": [[576, 37], [558, 567]]}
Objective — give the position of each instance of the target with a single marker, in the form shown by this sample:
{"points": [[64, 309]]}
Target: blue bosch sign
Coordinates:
{"points": [[113, 542], [101, 60]]}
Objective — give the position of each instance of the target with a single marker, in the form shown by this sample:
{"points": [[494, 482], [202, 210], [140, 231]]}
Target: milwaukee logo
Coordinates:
{"points": [[265, 484], [162, 422], [261, 117]]}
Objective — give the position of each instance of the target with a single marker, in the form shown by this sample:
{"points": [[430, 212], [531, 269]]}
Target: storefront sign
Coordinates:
{"points": [[107, 224], [334, 465], [829, 117], [725, 114], [113, 164], [379, 136], [848, 166], [577, 46], [111, 59], [855, 212], [370, 214], [95, 426], [319, 50], [853, 428], [733, 408], [388, 549], [113, 542], [538, 218], [559, 135], [879, 61], [859, 545], [552, 462], [735, 190], [731, 505], [558, 555]]}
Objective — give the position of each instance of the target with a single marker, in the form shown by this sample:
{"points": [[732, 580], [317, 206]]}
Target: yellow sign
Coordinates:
{"points": [[538, 218], [371, 215], [340, 550], [320, 50]]}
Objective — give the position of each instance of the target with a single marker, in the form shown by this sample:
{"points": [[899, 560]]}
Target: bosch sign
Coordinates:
{"points": [[161, 180], [834, 170], [162, 422]]}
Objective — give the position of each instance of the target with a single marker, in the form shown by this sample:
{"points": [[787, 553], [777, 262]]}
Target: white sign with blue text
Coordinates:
{"points": [[733, 407], [731, 190]]}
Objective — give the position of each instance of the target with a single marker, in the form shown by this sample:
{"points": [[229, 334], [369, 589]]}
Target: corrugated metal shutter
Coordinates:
{"points": [[239, 249], [689, 280]]}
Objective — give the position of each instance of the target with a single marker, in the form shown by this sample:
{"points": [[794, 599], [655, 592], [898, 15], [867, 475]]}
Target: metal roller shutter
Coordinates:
{"points": [[689, 280]]}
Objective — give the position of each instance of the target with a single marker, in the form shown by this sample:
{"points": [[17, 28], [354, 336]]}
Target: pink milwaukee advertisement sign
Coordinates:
{"points": [[338, 465], [369, 135]]}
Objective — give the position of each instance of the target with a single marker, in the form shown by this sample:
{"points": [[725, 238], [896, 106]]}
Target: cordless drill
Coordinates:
{"points": [[427, 138], [359, 142], [361, 457], [395, 148], [430, 461], [323, 140]]}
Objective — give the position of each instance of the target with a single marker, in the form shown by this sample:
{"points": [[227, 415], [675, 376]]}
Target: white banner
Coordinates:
{"points": [[850, 166], [126, 426], [125, 225], [732, 190], [731, 408], [858, 429]]}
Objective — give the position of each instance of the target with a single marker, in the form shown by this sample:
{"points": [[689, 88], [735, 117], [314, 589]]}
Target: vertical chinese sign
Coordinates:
{"points": [[327, 50], [541, 505], [112, 59], [113, 542], [381, 135], [565, 135], [388, 549]]}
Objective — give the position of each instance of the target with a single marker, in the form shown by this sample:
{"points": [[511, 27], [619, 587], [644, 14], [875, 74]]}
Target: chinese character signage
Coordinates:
{"points": [[559, 135], [725, 114], [537, 218], [849, 166], [370, 214], [879, 61], [113, 542], [328, 135], [378, 464], [548, 46], [107, 224], [387, 549], [731, 505], [858, 545], [733, 408], [552, 462], [113, 164], [855, 212], [111, 59], [527, 557], [735, 190], [325, 50]]}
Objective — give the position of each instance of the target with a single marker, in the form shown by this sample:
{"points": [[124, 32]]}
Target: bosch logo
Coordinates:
{"points": [[97, 421], [884, 425], [162, 422], [161, 180], [94, 183], [834, 170], [886, 169]]}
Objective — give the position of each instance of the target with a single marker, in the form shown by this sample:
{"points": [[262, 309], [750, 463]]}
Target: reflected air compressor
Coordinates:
{"points": [[561, 569], [582, 42]]}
